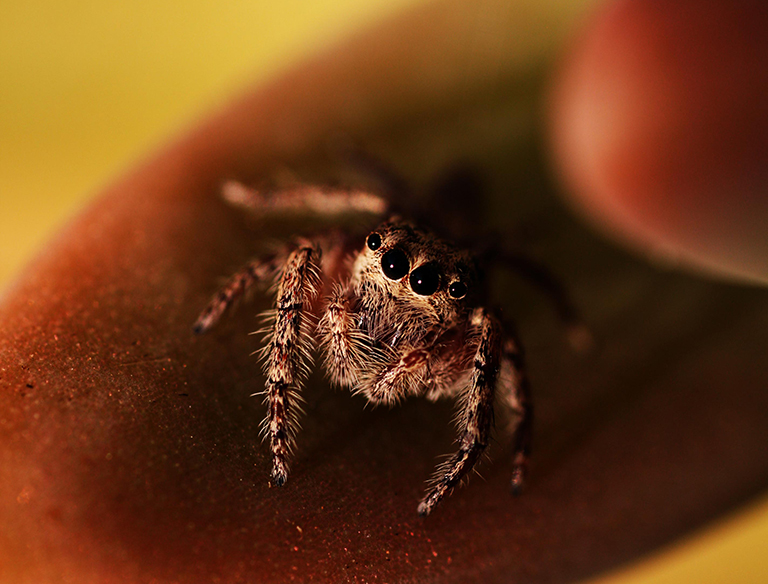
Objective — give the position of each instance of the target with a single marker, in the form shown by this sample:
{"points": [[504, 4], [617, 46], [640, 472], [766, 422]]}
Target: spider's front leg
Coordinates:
{"points": [[287, 354], [477, 415]]}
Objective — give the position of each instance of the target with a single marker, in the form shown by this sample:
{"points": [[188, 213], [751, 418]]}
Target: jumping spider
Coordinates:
{"points": [[404, 315]]}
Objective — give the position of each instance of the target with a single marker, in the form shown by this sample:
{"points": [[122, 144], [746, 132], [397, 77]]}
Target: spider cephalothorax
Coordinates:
{"points": [[408, 306], [403, 316]]}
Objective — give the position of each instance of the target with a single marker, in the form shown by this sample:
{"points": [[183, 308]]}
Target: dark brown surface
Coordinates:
{"points": [[129, 448]]}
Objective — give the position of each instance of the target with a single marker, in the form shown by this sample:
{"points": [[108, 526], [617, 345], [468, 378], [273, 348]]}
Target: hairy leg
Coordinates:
{"points": [[305, 200], [239, 285], [514, 390], [540, 276], [287, 354], [477, 414]]}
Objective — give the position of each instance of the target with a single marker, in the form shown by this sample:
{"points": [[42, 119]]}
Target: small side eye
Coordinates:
{"points": [[457, 290], [395, 264], [425, 279], [373, 241]]}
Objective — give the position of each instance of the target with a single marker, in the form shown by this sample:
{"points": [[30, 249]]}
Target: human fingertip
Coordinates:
{"points": [[659, 129]]}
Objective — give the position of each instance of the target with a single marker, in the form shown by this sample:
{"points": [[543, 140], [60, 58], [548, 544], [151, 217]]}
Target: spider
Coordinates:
{"points": [[403, 315]]}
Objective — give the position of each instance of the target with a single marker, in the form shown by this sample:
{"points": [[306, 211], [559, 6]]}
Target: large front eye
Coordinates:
{"points": [[395, 264], [425, 279]]}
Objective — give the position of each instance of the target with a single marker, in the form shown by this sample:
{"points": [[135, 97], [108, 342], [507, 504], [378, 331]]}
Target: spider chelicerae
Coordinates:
{"points": [[398, 312]]}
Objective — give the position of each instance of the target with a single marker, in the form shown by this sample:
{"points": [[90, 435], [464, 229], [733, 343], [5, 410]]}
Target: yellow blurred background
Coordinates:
{"points": [[88, 88]]}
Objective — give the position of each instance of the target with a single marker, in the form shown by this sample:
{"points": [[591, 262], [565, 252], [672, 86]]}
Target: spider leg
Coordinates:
{"points": [[287, 354], [477, 415], [542, 278], [304, 201], [397, 189], [515, 394], [238, 286]]}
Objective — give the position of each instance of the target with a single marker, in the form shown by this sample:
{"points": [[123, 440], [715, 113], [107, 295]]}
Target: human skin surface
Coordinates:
{"points": [[129, 447], [660, 130]]}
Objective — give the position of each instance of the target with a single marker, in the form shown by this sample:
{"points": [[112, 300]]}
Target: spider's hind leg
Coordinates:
{"points": [[540, 276], [303, 201]]}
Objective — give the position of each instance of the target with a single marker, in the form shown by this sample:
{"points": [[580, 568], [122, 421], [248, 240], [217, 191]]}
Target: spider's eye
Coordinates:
{"points": [[425, 279], [395, 264], [374, 241], [457, 290]]}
